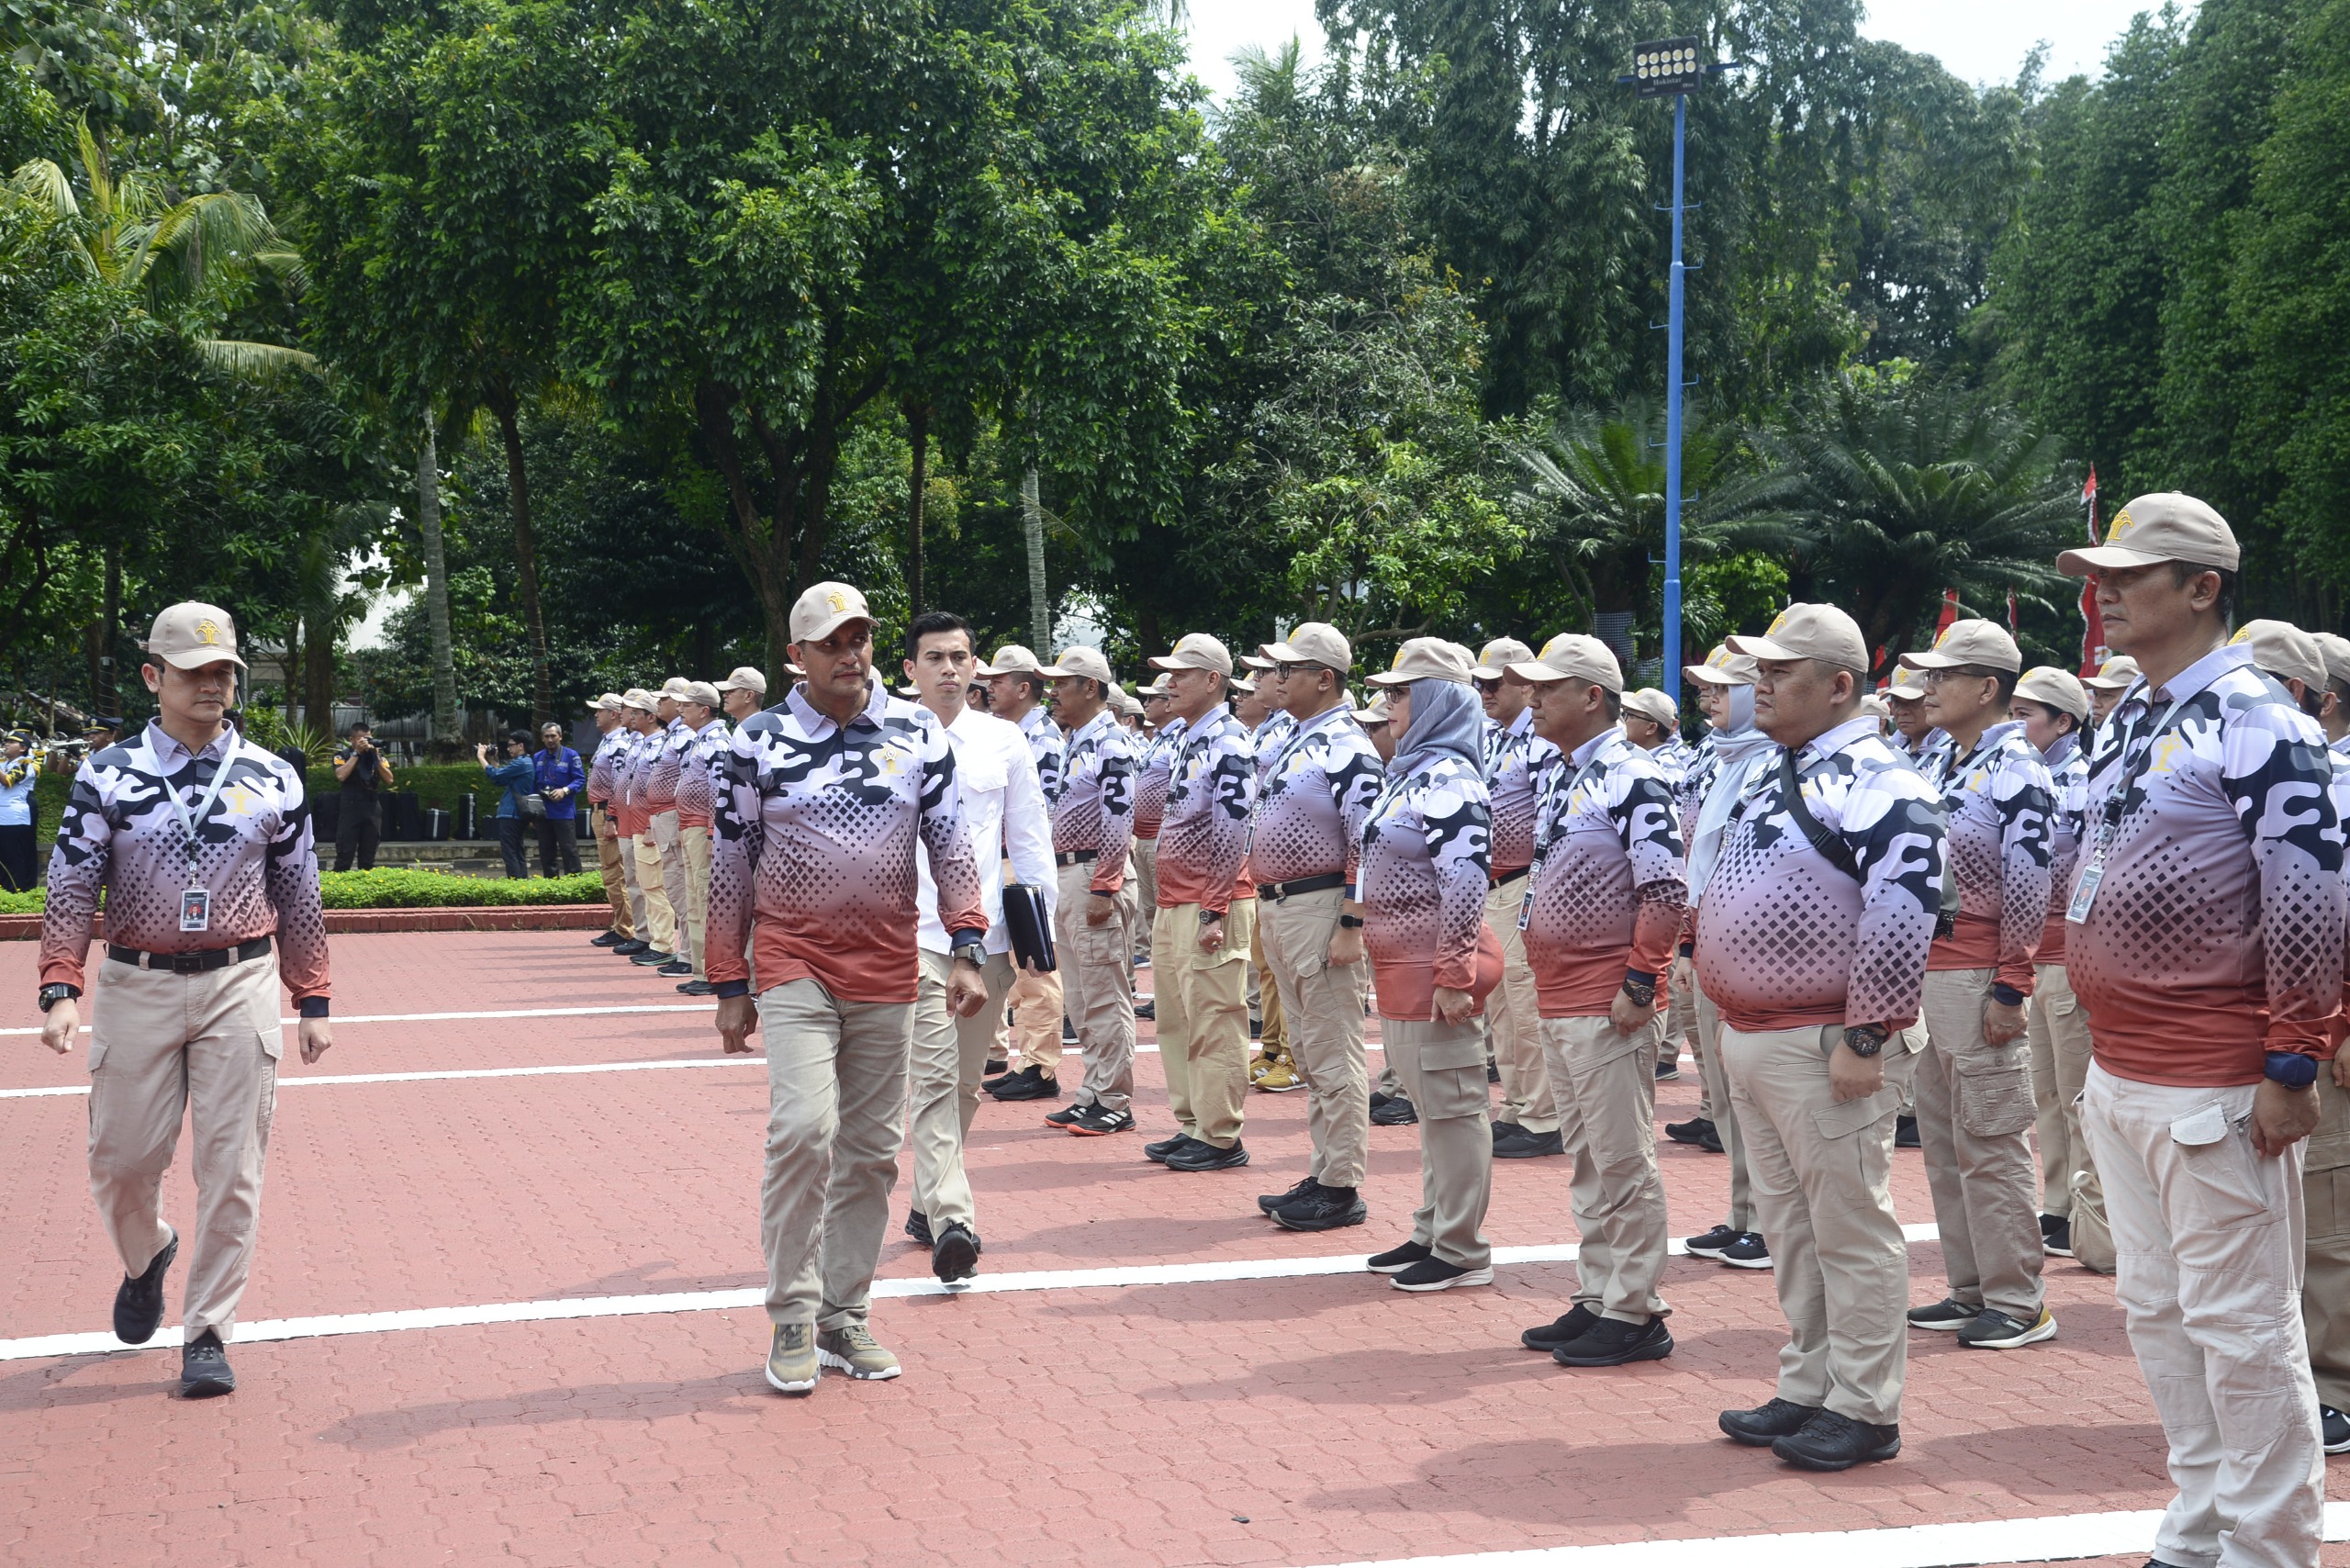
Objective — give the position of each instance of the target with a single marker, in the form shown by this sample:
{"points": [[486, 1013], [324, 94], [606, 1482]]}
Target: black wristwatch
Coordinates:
{"points": [[1864, 1040], [1210, 916], [50, 995], [969, 952], [1350, 922], [1643, 992]]}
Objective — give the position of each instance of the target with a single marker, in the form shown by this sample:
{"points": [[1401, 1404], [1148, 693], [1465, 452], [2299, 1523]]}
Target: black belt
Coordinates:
{"points": [[1506, 878], [190, 963], [1281, 891], [1075, 856]]}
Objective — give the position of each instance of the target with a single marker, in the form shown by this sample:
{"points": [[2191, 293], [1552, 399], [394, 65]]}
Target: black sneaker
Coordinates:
{"points": [[2335, 1428], [1204, 1156], [1028, 1083], [1668, 1068], [955, 1256], [1095, 1121], [1530, 1145], [698, 988], [139, 1302], [1502, 1131], [1712, 1244], [1947, 1315], [1160, 1151], [632, 948], [675, 967], [1066, 1117], [994, 1067], [1268, 1201], [1398, 1113], [1712, 1142], [1766, 1424], [1573, 1325], [1146, 1010], [1830, 1441], [1748, 1251], [1614, 1344], [1436, 1274], [1691, 1131], [1396, 1259], [918, 1229], [1905, 1133], [1324, 1208], [608, 939], [1995, 1330], [1068, 1031], [1492, 1071], [204, 1367], [653, 958], [2056, 1236]]}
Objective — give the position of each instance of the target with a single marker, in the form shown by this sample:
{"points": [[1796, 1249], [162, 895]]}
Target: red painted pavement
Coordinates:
{"points": [[1340, 1419]]}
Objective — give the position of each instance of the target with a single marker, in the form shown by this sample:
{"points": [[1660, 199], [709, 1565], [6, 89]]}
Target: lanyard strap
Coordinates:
{"points": [[219, 777], [2134, 760]]}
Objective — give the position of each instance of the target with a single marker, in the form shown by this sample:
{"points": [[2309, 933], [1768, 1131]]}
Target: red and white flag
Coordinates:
{"points": [[2092, 624]]}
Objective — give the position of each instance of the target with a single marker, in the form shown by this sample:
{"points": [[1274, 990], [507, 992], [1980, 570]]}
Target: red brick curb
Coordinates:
{"points": [[342, 921]]}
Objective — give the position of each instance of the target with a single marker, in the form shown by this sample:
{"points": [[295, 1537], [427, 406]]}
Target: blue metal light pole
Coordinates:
{"points": [[1669, 678]]}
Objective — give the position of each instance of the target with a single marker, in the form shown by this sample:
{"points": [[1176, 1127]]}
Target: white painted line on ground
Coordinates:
{"points": [[726, 1301], [450, 1017], [2062, 1538]]}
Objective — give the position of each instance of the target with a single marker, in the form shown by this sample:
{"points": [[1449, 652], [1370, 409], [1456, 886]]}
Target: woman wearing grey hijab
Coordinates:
{"points": [[1426, 868]]}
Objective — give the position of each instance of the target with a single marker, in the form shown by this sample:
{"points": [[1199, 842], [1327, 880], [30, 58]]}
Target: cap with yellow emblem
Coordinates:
{"points": [[193, 634], [2284, 650], [824, 608], [2165, 526]]}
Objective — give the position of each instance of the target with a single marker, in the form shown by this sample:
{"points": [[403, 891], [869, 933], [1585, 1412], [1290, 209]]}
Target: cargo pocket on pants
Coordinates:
{"points": [[1995, 1102]]}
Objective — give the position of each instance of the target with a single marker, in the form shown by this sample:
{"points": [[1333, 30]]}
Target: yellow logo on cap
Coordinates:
{"points": [[1946, 634], [837, 603], [2121, 523], [1397, 662], [207, 633], [1781, 620], [2242, 636]]}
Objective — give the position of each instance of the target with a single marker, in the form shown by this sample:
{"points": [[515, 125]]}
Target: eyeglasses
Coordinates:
{"points": [[1936, 677], [1287, 671], [1489, 684]]}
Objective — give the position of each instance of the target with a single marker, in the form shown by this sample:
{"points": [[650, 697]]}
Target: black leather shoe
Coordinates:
{"points": [[632, 948], [608, 939], [1830, 1441], [1324, 1208], [1207, 1157], [1505, 1131], [1530, 1145], [1691, 1131], [139, 1303], [1268, 1201], [1712, 1142], [955, 1256], [1556, 1332], [1160, 1151], [1146, 1010], [1766, 1424], [1614, 1344], [1398, 1113], [1028, 1083], [918, 1229], [204, 1369]]}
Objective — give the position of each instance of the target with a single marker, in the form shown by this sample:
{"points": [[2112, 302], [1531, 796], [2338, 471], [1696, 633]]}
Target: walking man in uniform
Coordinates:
{"points": [[201, 844], [819, 806], [1602, 908], [1305, 849], [2207, 942], [1973, 1083], [1095, 921], [1812, 938]]}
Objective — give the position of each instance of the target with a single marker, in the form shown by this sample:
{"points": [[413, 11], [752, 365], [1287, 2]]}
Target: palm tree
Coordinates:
{"points": [[127, 235], [1908, 488], [1600, 478]]}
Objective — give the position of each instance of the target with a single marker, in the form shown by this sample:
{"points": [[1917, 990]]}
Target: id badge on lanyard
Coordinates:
{"points": [[2085, 890], [196, 901], [1534, 872]]}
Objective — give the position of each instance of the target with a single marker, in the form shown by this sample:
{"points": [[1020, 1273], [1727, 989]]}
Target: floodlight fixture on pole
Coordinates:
{"points": [[1673, 68]]}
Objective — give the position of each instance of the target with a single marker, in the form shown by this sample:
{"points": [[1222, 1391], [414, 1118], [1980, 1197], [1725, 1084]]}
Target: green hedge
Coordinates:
{"points": [[408, 888]]}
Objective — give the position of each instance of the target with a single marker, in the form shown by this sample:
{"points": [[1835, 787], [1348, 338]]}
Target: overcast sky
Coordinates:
{"points": [[1981, 41]]}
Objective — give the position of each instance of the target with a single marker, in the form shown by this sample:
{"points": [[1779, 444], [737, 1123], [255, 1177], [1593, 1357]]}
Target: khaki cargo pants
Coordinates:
{"points": [[1203, 1011], [1512, 1019], [1098, 984], [1603, 1082], [1975, 1116], [610, 864], [1324, 1009], [1442, 1067], [949, 1056]]}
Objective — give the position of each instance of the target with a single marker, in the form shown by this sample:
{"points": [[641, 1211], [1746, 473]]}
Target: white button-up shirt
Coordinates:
{"points": [[1003, 808]]}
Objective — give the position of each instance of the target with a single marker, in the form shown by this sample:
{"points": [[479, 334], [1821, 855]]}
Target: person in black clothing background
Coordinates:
{"points": [[364, 774]]}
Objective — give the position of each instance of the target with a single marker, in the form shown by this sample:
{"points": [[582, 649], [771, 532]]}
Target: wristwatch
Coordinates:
{"points": [[1865, 1040], [1210, 916], [1643, 992], [50, 995], [969, 952], [1350, 922], [2290, 1069]]}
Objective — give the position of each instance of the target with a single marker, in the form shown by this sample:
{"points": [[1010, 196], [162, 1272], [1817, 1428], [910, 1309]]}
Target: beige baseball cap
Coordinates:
{"points": [[1819, 632], [1650, 703], [677, 689], [1241, 684], [1197, 650], [638, 698], [1571, 656], [745, 679], [1080, 660], [1256, 661], [1873, 706], [702, 692], [2116, 673], [1012, 659], [1374, 714], [1314, 642], [2165, 526], [1154, 687], [1969, 642], [825, 609], [1907, 685], [1122, 700], [2060, 688], [1723, 667], [792, 669], [192, 634], [1502, 652], [2284, 650], [1428, 658], [2337, 654], [610, 702]]}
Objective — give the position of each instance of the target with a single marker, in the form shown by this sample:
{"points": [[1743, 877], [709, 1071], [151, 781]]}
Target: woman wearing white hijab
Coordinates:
{"points": [[1426, 865]]}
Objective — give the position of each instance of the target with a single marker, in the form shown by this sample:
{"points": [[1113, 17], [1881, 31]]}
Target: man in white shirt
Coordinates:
{"points": [[1005, 812]]}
